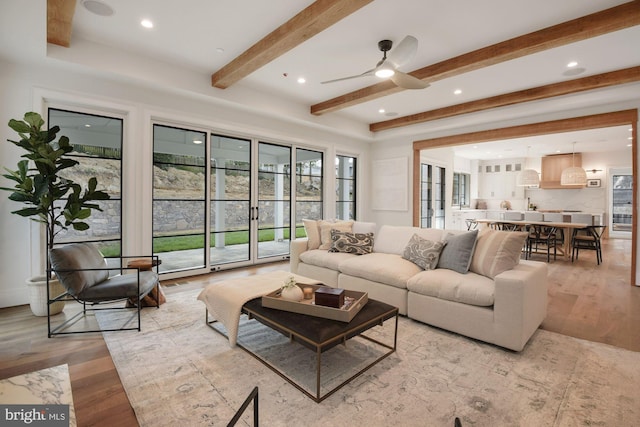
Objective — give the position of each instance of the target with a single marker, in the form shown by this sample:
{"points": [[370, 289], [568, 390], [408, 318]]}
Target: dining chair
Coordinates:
{"points": [[582, 218], [555, 217], [589, 238], [513, 216], [541, 236]]}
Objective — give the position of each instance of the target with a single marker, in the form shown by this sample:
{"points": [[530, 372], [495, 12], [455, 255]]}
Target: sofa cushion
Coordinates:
{"points": [[364, 227], [393, 239], [470, 288], [325, 231], [351, 243], [322, 258], [312, 230], [497, 251], [390, 269], [422, 252], [456, 255]]}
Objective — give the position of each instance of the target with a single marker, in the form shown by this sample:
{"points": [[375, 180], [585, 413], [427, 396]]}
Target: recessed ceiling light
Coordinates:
{"points": [[301, 80], [630, 137], [381, 111], [572, 64], [630, 129], [457, 91], [146, 23], [558, 151], [629, 145], [98, 7]]}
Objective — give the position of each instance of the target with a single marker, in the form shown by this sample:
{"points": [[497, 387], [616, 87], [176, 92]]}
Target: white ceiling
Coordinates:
{"points": [[189, 34]]}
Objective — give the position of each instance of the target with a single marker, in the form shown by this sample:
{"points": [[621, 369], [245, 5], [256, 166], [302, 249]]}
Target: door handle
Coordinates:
{"points": [[251, 214], [257, 213]]}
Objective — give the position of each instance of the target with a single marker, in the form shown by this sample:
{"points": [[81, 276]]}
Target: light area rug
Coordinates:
{"points": [[178, 371]]}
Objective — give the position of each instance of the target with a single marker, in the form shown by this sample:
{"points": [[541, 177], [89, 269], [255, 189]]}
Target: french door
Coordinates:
{"points": [[250, 202], [621, 197]]}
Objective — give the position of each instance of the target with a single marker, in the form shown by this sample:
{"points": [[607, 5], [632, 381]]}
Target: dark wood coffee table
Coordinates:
{"points": [[320, 335]]}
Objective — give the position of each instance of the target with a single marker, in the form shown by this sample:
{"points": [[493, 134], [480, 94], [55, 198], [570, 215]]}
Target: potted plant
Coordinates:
{"points": [[50, 199]]}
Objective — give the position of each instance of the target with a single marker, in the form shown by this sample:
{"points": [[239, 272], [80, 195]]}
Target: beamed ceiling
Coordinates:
{"points": [[499, 53]]}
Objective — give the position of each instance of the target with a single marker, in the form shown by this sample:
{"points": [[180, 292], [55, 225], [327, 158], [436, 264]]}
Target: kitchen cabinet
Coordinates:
{"points": [[497, 179], [552, 167], [459, 218]]}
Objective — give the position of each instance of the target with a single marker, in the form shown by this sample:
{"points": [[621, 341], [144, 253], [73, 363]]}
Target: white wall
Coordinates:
{"points": [[23, 88]]}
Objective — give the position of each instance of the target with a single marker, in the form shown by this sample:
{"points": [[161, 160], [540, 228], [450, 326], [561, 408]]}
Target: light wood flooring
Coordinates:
{"points": [[585, 301]]}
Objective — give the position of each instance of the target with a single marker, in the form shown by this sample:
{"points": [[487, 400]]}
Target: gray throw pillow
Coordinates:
{"points": [[422, 252], [457, 254]]}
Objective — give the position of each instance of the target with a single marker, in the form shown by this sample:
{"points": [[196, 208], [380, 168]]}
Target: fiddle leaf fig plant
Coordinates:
{"points": [[57, 202]]}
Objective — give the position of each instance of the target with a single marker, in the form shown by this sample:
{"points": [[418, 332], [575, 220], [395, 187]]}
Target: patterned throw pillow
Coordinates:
{"points": [[351, 243], [422, 252], [325, 231]]}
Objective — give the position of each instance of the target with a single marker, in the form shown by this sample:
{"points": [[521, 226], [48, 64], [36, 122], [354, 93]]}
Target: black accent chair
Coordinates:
{"points": [[588, 238], [541, 236], [84, 274], [252, 396]]}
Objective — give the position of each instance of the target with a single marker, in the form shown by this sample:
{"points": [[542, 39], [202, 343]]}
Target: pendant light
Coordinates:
{"points": [[528, 177], [573, 175]]}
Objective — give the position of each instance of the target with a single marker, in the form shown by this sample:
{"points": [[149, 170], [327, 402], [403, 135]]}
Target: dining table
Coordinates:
{"points": [[566, 227]]}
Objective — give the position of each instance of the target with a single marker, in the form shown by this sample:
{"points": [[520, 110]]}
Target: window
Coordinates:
{"points": [[432, 196], [345, 187], [179, 190], [308, 187], [461, 189], [97, 146]]}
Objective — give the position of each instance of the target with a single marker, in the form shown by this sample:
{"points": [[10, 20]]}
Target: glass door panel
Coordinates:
{"points": [[230, 203], [272, 213], [179, 206], [621, 199]]}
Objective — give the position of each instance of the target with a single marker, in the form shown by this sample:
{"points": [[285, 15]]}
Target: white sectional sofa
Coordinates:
{"points": [[500, 307]]}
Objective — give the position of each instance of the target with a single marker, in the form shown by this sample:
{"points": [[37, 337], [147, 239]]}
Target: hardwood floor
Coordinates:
{"points": [[585, 301]]}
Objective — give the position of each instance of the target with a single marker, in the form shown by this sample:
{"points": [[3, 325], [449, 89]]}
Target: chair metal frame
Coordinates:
{"points": [[66, 296], [253, 396]]}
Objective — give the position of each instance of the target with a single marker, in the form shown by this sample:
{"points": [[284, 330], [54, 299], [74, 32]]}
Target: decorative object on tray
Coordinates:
{"points": [[291, 291], [329, 297], [352, 304]]}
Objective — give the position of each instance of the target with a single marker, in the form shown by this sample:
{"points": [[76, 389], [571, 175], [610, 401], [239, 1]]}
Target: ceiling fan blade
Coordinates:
{"points": [[404, 52], [365, 74], [407, 81]]}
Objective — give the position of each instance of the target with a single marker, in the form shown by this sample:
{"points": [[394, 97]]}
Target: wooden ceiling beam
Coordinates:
{"points": [[616, 18], [317, 17], [613, 78], [59, 21]]}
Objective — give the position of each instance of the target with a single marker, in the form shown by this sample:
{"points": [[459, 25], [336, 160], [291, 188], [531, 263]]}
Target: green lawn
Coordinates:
{"points": [[181, 243]]}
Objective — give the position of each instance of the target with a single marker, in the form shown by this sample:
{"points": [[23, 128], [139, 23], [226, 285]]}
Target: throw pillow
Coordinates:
{"points": [[497, 251], [351, 243], [422, 252], [325, 231], [457, 254], [312, 229]]}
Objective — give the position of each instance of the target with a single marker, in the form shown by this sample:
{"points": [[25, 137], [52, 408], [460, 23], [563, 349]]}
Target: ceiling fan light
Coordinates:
{"points": [[573, 176], [384, 73], [528, 178]]}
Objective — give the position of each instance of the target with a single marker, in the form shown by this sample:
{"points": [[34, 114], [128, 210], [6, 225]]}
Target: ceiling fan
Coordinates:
{"points": [[387, 67]]}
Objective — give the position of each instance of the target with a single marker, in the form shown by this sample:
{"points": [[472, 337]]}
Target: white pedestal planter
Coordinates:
{"points": [[38, 295]]}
